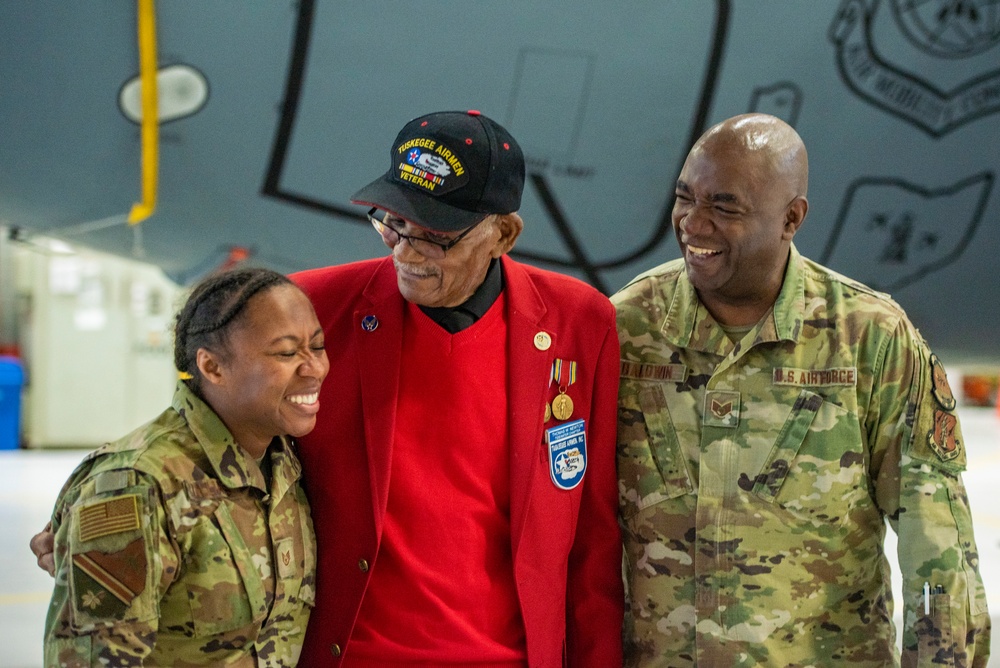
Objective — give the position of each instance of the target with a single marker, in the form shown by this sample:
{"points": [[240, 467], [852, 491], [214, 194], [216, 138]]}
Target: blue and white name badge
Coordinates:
{"points": [[567, 453]]}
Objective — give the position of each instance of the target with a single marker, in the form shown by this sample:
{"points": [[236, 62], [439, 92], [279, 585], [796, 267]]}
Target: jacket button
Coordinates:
{"points": [[363, 565], [335, 649]]}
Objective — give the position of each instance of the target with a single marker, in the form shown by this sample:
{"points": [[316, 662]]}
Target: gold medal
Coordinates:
{"points": [[548, 412], [562, 406]]}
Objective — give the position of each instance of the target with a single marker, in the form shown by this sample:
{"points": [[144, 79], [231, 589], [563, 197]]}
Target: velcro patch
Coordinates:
{"points": [[111, 481], [105, 585], [942, 437], [847, 376], [673, 373], [722, 409], [109, 517], [201, 490], [284, 551], [939, 385]]}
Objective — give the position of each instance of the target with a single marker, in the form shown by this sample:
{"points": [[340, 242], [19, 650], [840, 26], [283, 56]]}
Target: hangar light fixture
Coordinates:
{"points": [[182, 91]]}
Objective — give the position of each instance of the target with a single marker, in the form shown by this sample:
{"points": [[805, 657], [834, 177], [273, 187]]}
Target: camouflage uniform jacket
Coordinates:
{"points": [[756, 477], [170, 551]]}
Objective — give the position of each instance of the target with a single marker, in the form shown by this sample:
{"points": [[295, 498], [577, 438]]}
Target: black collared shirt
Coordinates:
{"points": [[456, 318]]}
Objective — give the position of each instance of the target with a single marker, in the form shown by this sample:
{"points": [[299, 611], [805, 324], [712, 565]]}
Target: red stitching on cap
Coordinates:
{"points": [[473, 112], [423, 124], [468, 141], [506, 146]]}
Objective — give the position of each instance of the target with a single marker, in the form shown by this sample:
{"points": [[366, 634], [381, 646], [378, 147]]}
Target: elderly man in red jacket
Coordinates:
{"points": [[462, 471], [462, 468]]}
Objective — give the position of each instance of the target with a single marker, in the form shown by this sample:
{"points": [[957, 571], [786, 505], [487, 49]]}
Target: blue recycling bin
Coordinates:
{"points": [[11, 381]]}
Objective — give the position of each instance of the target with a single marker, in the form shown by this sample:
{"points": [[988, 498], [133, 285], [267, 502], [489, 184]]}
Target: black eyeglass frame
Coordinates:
{"points": [[386, 230]]}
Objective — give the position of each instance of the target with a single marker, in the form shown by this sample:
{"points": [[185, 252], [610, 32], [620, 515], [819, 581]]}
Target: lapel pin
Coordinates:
{"points": [[369, 323], [543, 341]]}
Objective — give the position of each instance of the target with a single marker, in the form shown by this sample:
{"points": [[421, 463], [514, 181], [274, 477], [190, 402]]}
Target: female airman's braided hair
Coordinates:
{"points": [[210, 311]]}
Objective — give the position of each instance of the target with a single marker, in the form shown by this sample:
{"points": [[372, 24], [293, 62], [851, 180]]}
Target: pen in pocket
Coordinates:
{"points": [[938, 589]]}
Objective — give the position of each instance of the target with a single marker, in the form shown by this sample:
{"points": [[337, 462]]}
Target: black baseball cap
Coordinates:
{"points": [[448, 170]]}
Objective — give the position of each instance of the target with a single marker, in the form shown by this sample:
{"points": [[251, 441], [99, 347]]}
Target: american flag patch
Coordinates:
{"points": [[109, 517]]}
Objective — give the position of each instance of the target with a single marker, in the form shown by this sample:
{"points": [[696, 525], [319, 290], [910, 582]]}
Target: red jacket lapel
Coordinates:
{"points": [[379, 354], [528, 369]]}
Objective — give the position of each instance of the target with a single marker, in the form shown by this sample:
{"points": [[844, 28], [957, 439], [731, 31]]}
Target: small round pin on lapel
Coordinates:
{"points": [[543, 341], [369, 323]]}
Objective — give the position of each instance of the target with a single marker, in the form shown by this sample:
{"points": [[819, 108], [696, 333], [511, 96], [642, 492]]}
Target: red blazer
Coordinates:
{"points": [[566, 544]]}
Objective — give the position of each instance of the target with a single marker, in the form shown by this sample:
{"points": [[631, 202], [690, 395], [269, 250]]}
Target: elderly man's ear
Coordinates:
{"points": [[510, 226]]}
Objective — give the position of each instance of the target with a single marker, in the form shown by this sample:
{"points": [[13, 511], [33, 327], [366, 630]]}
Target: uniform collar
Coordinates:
{"points": [[232, 466], [791, 302], [688, 324]]}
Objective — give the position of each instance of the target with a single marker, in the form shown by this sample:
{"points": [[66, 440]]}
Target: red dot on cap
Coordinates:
{"points": [[506, 146], [468, 141], [423, 124], [474, 112]]}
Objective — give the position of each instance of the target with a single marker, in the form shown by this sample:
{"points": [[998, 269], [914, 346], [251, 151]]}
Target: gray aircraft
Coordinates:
{"points": [[272, 113]]}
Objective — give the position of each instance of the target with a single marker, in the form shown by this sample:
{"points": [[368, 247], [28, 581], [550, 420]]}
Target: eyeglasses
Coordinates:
{"points": [[426, 247]]}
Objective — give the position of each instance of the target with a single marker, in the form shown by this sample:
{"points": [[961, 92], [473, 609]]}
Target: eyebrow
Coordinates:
{"points": [[292, 337], [727, 198]]}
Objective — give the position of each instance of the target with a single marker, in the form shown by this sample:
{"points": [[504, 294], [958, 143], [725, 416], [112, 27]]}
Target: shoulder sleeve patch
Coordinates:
{"points": [[943, 437], [939, 385], [106, 584], [108, 517], [936, 436]]}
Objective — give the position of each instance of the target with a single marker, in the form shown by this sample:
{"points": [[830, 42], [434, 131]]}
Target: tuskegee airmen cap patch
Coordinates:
{"points": [[430, 165], [447, 171]]}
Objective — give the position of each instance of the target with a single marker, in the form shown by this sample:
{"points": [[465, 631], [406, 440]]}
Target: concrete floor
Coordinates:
{"points": [[30, 481]]}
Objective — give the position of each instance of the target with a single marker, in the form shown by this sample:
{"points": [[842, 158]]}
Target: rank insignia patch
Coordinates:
{"points": [[722, 409], [284, 551]]}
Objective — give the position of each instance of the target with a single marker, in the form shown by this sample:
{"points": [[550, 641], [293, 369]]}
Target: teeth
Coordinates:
{"points": [[305, 398], [701, 251]]}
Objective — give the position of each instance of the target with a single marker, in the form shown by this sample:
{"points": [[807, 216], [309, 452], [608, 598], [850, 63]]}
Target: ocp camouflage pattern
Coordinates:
{"points": [[756, 478], [171, 550]]}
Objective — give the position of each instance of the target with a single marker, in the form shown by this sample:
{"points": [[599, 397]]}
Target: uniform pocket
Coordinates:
{"points": [[772, 477], [651, 465], [226, 592], [816, 467], [935, 643]]}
